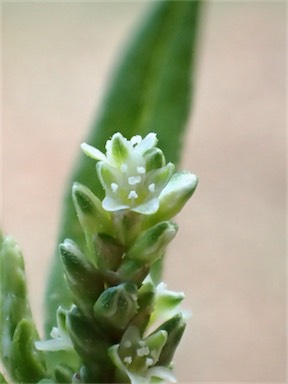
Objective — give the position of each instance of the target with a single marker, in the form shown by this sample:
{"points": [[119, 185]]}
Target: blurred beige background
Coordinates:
{"points": [[229, 256]]}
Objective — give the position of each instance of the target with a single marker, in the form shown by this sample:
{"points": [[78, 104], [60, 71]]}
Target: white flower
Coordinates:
{"points": [[166, 302], [133, 173], [60, 339], [138, 357]]}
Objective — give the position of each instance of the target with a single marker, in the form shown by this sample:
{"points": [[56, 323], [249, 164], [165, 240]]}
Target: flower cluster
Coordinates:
{"points": [[116, 299]]}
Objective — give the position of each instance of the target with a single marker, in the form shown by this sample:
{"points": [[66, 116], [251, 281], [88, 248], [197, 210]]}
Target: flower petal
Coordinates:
{"points": [[93, 152], [162, 373], [148, 142], [111, 205], [147, 208]]}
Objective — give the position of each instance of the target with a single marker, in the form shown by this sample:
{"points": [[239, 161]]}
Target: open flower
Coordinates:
{"points": [[138, 357], [60, 339], [133, 173]]}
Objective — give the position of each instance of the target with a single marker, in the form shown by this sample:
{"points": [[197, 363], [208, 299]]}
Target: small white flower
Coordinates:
{"points": [[60, 339], [138, 357], [132, 172]]}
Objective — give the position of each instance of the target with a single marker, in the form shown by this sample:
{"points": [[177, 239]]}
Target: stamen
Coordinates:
{"points": [[142, 343], [128, 360], [151, 187], [144, 351], [141, 170], [134, 180], [148, 362], [114, 187], [127, 344], [132, 195], [123, 168]]}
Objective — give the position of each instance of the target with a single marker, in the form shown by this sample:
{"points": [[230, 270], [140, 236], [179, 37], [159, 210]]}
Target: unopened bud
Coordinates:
{"points": [[175, 328], [174, 196], [117, 305], [150, 246], [93, 218], [84, 280]]}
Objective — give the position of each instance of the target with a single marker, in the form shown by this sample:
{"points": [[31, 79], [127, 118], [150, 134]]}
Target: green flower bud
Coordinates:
{"points": [[175, 328], [149, 247], [108, 251], [116, 306], [146, 298], [90, 343], [93, 218], [84, 280], [174, 196], [133, 271]]}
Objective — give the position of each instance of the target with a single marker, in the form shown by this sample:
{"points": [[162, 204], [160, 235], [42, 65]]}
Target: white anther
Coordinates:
{"points": [[144, 351], [123, 168], [149, 362], [127, 344], [141, 170], [134, 180], [132, 195], [128, 360], [114, 187], [151, 187], [142, 343]]}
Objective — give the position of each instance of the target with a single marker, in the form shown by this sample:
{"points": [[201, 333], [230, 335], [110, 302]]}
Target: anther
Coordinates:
{"points": [[132, 195], [144, 351], [128, 360], [134, 180], [151, 187], [141, 170], [114, 187]]}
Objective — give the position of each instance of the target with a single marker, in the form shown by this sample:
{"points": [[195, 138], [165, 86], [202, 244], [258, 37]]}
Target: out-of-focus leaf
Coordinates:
{"points": [[149, 92], [18, 331]]}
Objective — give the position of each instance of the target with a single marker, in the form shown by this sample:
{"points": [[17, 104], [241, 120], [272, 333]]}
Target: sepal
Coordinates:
{"points": [[93, 218], [175, 328], [150, 245], [174, 196], [116, 306], [84, 280]]}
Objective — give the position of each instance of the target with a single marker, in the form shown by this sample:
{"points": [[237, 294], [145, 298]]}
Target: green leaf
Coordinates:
{"points": [[18, 331], [2, 379], [149, 92]]}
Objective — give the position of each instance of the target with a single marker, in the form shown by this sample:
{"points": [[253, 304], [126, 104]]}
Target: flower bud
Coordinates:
{"points": [[84, 281], [116, 306], [93, 218], [88, 340], [146, 295], [175, 328], [150, 246], [108, 252], [174, 196]]}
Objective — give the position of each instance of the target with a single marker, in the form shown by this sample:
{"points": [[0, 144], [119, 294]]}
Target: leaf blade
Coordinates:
{"points": [[148, 93]]}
